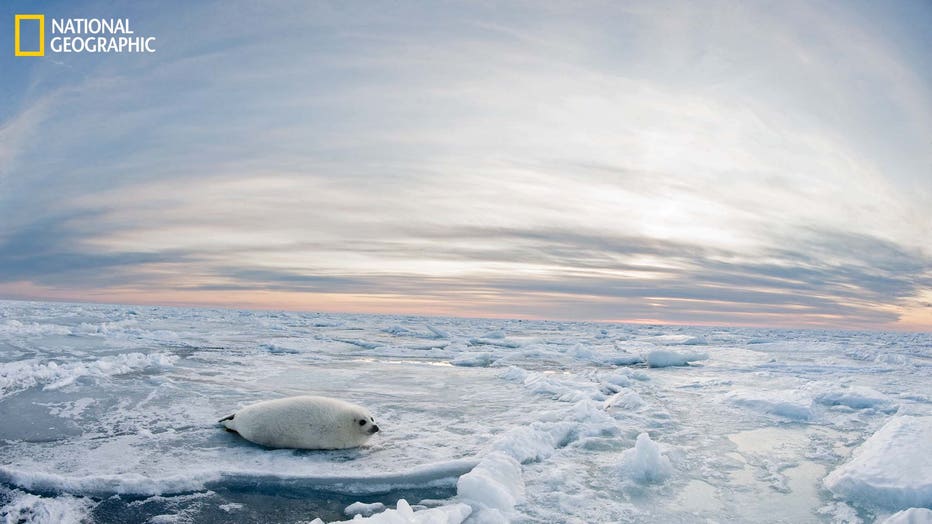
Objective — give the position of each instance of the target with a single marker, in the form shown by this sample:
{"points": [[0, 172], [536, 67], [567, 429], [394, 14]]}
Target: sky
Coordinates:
{"points": [[710, 163]]}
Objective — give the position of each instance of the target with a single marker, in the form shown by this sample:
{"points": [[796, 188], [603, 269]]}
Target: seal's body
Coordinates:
{"points": [[305, 422]]}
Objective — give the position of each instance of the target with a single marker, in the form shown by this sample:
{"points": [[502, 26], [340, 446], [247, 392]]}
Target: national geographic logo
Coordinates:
{"points": [[17, 35], [77, 35]]}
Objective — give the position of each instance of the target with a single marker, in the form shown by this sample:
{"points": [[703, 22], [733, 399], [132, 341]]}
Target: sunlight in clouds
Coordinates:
{"points": [[615, 162]]}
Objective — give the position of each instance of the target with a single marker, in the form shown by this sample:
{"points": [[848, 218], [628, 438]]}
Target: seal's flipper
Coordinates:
{"points": [[228, 423]]}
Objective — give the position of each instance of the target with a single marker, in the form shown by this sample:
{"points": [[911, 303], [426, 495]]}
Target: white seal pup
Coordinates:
{"points": [[305, 422]]}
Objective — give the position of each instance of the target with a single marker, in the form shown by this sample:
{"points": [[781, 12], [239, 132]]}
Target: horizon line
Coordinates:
{"points": [[631, 322]]}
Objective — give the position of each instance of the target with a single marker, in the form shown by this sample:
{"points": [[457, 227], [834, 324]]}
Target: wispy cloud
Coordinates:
{"points": [[639, 162]]}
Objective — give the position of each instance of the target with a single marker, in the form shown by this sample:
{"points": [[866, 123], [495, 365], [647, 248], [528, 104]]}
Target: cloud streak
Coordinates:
{"points": [[641, 162], [833, 278]]}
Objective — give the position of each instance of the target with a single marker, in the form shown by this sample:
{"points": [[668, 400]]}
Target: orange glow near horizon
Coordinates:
{"points": [[911, 320]]}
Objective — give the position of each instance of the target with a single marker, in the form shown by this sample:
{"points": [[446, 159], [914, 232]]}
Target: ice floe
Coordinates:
{"points": [[892, 469], [910, 516], [790, 404], [110, 412], [662, 358], [644, 462]]}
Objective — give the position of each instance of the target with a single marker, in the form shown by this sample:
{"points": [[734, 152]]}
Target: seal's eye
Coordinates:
{"points": [[362, 422]]}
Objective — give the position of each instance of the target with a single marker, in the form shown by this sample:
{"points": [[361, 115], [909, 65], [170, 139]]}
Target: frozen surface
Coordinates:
{"points": [[25, 508], [789, 404], [662, 358], [892, 469], [361, 508], [910, 516], [644, 463], [109, 415], [405, 514]]}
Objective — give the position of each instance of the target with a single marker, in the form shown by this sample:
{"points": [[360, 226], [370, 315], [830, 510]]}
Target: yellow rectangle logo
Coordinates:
{"points": [[18, 47]]}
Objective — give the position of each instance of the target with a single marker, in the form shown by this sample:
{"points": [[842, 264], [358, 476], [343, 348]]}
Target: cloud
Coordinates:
{"points": [[622, 161], [50, 252], [16, 133], [832, 278]]}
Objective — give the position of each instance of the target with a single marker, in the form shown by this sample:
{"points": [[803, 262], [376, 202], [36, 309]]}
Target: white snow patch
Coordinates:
{"points": [[361, 508], [71, 409], [790, 404], [439, 333], [855, 397], [661, 358], [33, 329], [24, 374], [910, 516], [840, 513], [495, 341], [365, 344], [644, 463], [627, 400], [557, 387], [679, 340], [404, 514], [26, 508], [532, 443], [621, 378], [624, 376], [436, 474], [495, 486], [891, 358], [622, 359], [479, 359], [129, 483], [397, 330], [891, 469], [231, 507]]}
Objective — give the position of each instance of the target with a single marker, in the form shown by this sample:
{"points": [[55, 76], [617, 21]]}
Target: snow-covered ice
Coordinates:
{"points": [[361, 508], [26, 508], [109, 415], [910, 516], [405, 514], [644, 462], [790, 404], [893, 468], [662, 358]]}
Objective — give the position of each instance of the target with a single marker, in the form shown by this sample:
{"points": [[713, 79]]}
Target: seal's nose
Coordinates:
{"points": [[375, 429]]}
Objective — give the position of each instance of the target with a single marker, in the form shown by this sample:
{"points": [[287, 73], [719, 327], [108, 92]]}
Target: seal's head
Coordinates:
{"points": [[364, 423]]}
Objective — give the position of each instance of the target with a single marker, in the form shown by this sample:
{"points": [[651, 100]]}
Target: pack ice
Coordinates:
{"points": [[893, 468], [108, 414]]}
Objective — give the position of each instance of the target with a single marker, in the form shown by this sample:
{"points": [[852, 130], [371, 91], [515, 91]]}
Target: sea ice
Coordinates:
{"points": [[16, 376], [480, 359], [662, 358], [790, 404], [361, 508], [109, 414], [855, 397], [910, 516], [405, 514], [644, 463], [26, 508], [628, 400], [494, 486], [892, 469]]}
